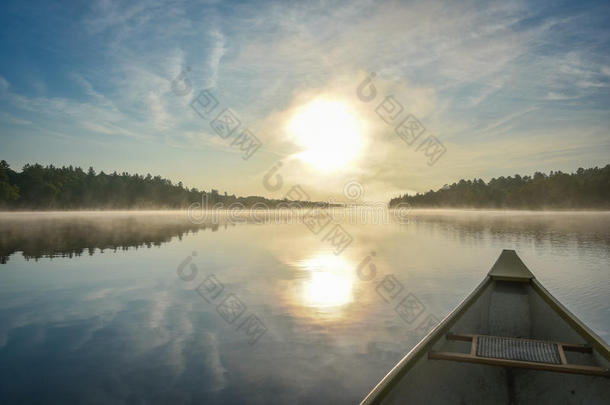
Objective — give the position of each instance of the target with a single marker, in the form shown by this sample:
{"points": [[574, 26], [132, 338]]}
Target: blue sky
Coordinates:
{"points": [[507, 88]]}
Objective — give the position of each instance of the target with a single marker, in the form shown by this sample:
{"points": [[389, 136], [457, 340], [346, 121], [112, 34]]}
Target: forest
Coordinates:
{"points": [[39, 187], [62, 188], [584, 189]]}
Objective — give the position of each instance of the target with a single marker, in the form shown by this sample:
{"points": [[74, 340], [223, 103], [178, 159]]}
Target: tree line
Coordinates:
{"points": [[62, 188], [584, 189]]}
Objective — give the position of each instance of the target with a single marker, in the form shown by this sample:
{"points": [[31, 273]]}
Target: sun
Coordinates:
{"points": [[328, 132]]}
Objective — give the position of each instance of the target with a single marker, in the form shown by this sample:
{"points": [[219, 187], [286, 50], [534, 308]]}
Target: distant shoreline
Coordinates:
{"points": [[416, 209], [585, 189]]}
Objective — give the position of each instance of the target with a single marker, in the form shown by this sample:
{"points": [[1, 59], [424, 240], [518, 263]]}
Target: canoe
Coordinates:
{"points": [[509, 342]]}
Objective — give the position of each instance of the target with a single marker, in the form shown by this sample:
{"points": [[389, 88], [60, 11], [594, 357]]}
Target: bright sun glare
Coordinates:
{"points": [[329, 133], [330, 283]]}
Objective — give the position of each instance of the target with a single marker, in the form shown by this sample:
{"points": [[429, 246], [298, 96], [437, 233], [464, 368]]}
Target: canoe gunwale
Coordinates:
{"points": [[393, 376], [583, 330]]}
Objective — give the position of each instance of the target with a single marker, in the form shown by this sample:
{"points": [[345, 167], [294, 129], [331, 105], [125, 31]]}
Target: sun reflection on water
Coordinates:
{"points": [[330, 283]]}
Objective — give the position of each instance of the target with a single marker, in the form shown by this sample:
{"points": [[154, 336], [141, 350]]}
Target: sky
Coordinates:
{"points": [[498, 87]]}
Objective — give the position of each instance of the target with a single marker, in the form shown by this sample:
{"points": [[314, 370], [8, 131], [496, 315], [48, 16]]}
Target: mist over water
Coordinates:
{"points": [[94, 309]]}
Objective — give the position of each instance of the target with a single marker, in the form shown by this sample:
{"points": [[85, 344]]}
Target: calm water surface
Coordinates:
{"points": [[149, 308]]}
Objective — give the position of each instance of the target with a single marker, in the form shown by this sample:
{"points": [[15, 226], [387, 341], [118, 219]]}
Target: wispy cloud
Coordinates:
{"points": [[472, 73]]}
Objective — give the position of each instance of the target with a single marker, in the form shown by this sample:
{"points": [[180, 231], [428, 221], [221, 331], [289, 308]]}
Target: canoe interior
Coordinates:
{"points": [[500, 308]]}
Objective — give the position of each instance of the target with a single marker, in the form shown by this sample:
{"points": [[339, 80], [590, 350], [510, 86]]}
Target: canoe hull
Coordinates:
{"points": [[498, 307]]}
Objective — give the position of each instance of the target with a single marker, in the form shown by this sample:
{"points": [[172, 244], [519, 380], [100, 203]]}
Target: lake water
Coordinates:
{"points": [[151, 308]]}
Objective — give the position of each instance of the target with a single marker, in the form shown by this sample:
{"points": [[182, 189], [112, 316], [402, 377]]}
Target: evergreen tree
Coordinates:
{"points": [[587, 188], [50, 187]]}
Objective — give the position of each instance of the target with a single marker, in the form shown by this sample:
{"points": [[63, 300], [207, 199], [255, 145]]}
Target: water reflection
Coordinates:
{"points": [[39, 235], [125, 328], [330, 283], [69, 234]]}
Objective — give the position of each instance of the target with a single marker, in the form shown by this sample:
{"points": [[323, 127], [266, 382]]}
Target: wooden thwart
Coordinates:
{"points": [[564, 367]]}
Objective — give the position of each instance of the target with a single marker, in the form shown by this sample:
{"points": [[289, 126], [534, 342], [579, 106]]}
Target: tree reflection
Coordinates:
{"points": [[62, 235]]}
